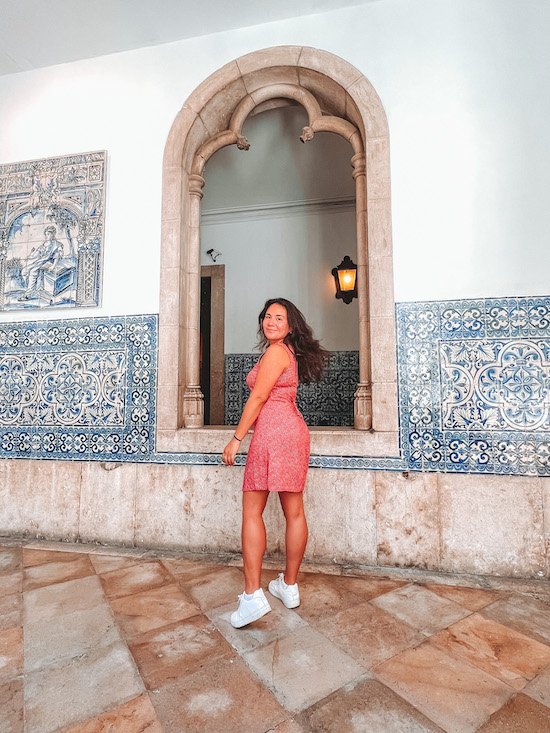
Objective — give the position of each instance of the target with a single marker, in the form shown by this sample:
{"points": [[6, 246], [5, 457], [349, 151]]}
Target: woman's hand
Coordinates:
{"points": [[230, 451]]}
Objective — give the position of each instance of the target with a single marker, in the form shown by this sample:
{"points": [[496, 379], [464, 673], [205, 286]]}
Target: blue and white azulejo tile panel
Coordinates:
{"points": [[474, 385], [81, 389]]}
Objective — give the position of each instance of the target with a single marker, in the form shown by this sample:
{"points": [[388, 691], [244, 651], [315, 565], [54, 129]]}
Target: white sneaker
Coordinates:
{"points": [[288, 594], [250, 609]]}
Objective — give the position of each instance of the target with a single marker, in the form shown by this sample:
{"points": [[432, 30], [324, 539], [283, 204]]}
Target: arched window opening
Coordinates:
{"points": [[338, 99], [278, 218]]}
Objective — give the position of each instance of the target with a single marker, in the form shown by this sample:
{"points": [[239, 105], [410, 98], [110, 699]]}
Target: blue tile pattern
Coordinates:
{"points": [[328, 402], [474, 390], [52, 213], [474, 385], [82, 389]]}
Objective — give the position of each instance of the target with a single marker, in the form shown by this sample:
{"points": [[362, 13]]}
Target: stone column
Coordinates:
{"points": [[363, 394], [193, 400]]}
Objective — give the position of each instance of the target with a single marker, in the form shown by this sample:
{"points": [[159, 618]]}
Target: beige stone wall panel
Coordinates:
{"points": [[385, 410], [382, 302], [163, 500], [407, 520], [546, 523], [492, 525], [107, 503], [39, 498]]}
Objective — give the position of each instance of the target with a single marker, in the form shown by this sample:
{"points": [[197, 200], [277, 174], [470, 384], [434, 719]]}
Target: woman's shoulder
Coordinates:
{"points": [[278, 353]]}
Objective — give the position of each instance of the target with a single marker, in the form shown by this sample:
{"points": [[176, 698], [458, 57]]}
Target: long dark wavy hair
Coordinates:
{"points": [[310, 354]]}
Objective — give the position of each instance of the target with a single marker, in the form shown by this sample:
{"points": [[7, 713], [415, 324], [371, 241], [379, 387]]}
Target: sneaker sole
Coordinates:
{"points": [[253, 617], [292, 604]]}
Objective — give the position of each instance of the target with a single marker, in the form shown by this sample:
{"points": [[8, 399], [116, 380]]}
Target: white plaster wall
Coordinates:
{"points": [[292, 258], [464, 84]]}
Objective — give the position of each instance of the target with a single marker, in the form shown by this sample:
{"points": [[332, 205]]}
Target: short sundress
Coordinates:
{"points": [[278, 456]]}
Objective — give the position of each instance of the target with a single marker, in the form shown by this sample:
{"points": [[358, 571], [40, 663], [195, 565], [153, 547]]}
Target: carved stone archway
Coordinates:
{"points": [[337, 98]]}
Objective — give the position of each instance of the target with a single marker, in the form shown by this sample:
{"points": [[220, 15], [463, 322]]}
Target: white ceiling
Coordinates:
{"points": [[37, 33]]}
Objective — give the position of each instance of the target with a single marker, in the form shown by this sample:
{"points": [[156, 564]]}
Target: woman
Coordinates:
{"points": [[278, 457]]}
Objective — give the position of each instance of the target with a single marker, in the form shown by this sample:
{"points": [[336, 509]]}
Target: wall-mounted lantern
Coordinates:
{"points": [[345, 277]]}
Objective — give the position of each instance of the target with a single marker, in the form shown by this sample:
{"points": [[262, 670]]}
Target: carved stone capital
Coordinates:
{"points": [[359, 163], [193, 407], [363, 407], [196, 183], [307, 134]]}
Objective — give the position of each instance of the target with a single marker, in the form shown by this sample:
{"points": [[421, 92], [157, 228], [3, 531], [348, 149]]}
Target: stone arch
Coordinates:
{"points": [[337, 98]]}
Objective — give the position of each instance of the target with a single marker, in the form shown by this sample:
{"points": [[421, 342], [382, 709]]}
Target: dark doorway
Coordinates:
{"points": [[212, 324]]}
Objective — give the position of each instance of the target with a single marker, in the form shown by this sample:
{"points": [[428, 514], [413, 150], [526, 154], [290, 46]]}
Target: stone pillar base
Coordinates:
{"points": [[363, 407], [193, 407]]}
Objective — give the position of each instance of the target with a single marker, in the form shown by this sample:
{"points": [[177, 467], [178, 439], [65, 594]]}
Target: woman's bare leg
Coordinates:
{"points": [[253, 537], [296, 532]]}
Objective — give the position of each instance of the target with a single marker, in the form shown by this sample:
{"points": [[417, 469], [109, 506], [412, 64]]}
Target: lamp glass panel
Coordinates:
{"points": [[347, 279]]}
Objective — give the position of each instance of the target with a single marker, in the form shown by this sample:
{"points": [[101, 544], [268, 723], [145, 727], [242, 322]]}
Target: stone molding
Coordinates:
{"points": [[337, 98]]}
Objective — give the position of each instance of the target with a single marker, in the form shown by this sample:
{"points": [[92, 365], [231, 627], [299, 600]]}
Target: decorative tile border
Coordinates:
{"points": [[78, 389], [328, 402], [474, 385], [474, 390]]}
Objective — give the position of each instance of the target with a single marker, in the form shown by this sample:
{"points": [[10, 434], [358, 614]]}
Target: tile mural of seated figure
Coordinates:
{"points": [[51, 232], [48, 275]]}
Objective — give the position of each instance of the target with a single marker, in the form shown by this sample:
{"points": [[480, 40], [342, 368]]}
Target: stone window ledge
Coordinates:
{"points": [[325, 441]]}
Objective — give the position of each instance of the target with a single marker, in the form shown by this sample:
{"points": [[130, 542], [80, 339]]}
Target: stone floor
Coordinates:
{"points": [[103, 640]]}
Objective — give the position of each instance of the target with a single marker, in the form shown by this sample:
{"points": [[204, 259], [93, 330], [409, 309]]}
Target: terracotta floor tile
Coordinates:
{"points": [[524, 614], [11, 583], [83, 688], [302, 668], [135, 579], [506, 654], [11, 707], [11, 611], [369, 587], [520, 715], [152, 609], [539, 688], [136, 716], [39, 557], [52, 601], [369, 634], [186, 570], [52, 642], [420, 608], [279, 622], [217, 588], [471, 598], [454, 694], [10, 559], [50, 573], [367, 706], [224, 697], [324, 595], [11, 654], [167, 654], [107, 563]]}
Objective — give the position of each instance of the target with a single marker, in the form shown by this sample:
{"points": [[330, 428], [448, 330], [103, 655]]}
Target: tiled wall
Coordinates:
{"points": [[474, 385], [474, 390], [329, 402]]}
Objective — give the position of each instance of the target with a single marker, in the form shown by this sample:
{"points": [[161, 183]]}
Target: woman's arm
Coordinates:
{"points": [[272, 365]]}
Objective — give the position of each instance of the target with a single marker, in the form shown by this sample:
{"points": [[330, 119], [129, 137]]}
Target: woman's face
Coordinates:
{"points": [[275, 323]]}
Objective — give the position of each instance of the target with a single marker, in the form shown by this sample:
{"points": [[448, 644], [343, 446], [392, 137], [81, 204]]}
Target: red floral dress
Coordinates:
{"points": [[278, 456]]}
